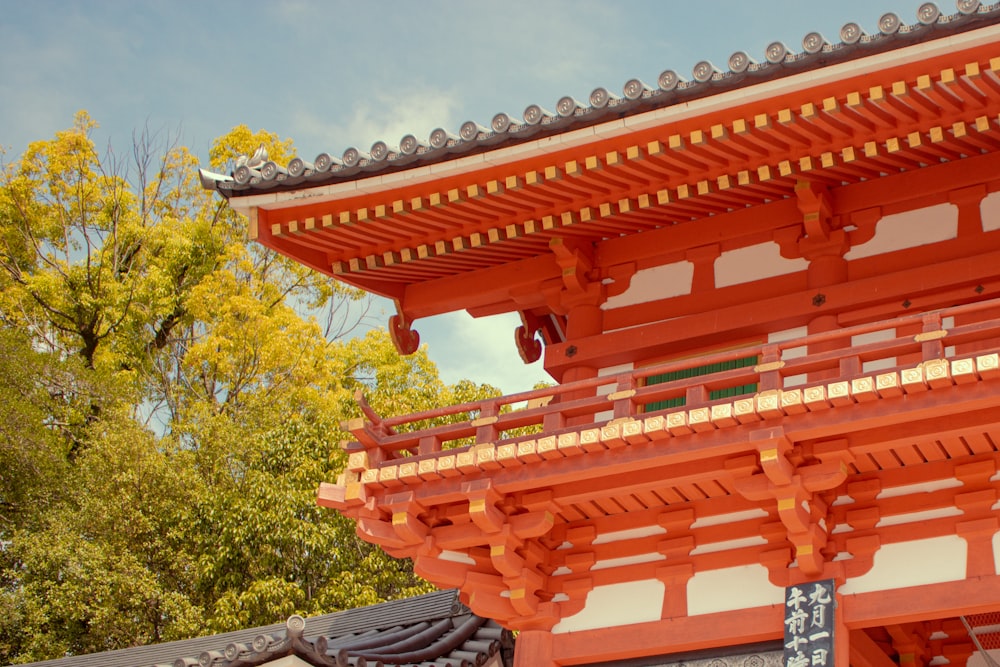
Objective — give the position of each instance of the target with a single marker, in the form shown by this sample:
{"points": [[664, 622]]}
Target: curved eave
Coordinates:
{"points": [[721, 159], [508, 132]]}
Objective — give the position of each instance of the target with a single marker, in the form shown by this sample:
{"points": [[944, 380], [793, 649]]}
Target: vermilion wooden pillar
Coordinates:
{"points": [[534, 649]]}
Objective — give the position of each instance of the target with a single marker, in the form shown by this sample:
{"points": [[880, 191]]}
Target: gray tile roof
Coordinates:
{"points": [[434, 630], [257, 174]]}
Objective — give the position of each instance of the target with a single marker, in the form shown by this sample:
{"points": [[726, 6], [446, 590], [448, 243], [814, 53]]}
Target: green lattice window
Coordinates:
{"points": [[738, 390]]}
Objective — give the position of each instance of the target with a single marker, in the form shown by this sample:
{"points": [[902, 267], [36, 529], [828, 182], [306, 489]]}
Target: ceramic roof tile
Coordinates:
{"points": [[429, 630], [257, 174]]}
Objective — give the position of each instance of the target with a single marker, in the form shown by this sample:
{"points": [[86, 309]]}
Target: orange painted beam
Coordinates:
{"points": [[714, 323], [917, 603], [865, 652], [961, 407], [917, 279], [748, 626], [674, 635], [516, 285]]}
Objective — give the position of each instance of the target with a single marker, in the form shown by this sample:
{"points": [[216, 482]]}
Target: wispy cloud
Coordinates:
{"points": [[480, 349], [383, 116]]}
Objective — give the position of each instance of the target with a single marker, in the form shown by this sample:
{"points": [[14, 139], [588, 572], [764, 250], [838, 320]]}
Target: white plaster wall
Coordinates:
{"points": [[730, 588], [918, 517], [733, 517], [658, 282], [788, 334], [791, 352], [617, 604], [630, 534], [875, 337], [909, 230], [289, 661], [456, 557], [753, 263], [977, 659], [728, 545], [628, 560], [915, 563], [606, 389], [922, 487], [989, 209]]}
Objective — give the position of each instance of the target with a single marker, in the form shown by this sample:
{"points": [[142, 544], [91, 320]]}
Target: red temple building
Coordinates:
{"points": [[770, 297]]}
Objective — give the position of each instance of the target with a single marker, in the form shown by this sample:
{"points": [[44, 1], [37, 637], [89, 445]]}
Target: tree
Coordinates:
{"points": [[174, 398]]}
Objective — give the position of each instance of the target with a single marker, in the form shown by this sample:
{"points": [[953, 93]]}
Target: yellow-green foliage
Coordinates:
{"points": [[171, 404]]}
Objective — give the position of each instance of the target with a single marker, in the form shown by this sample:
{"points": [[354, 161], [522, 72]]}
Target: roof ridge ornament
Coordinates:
{"points": [[739, 62], [297, 166], [889, 23], [704, 71], [534, 114], [928, 13], [409, 145], [668, 80], [502, 122], [380, 151], [600, 98], [813, 43], [851, 33], [567, 106], [270, 170], [244, 174], [258, 158], [295, 625], [471, 129], [235, 649], [776, 52], [256, 172], [967, 6], [353, 157], [440, 137], [324, 162], [635, 89]]}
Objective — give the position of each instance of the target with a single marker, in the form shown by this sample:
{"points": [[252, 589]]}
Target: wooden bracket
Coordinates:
{"points": [[528, 346], [820, 234], [794, 487], [403, 336], [621, 277], [815, 206], [405, 522], [575, 260]]}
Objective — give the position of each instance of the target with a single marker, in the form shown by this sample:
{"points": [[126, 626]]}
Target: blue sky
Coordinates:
{"points": [[335, 74]]}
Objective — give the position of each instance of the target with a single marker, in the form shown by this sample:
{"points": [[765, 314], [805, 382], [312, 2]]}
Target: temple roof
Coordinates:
{"points": [[257, 174], [622, 185], [433, 630]]}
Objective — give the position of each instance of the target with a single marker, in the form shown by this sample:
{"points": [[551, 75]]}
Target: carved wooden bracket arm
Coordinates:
{"points": [[794, 487], [403, 336], [528, 345]]}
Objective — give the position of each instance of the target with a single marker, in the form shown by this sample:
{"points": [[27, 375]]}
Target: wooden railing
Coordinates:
{"points": [[904, 342]]}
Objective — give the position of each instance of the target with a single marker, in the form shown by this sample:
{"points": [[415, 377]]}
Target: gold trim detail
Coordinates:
{"points": [[769, 366], [618, 395], [930, 335]]}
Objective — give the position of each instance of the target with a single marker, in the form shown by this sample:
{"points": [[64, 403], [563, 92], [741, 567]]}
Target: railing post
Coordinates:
{"points": [[769, 368], [486, 423], [622, 397], [980, 316], [930, 339], [429, 445], [369, 430], [695, 395], [555, 420]]}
